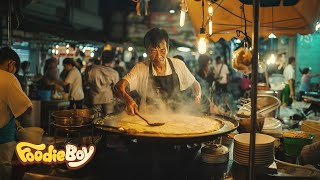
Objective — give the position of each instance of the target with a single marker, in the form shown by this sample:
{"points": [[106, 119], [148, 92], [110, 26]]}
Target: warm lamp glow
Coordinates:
{"points": [[202, 45], [272, 36], [182, 18], [272, 59], [210, 26], [318, 26], [210, 10]]}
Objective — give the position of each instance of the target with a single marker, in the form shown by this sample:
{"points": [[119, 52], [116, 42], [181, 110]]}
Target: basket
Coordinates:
{"points": [[293, 146], [45, 95], [312, 127]]}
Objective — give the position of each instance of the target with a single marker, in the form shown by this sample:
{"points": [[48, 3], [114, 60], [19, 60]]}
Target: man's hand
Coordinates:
{"points": [[291, 94], [132, 107], [197, 99]]}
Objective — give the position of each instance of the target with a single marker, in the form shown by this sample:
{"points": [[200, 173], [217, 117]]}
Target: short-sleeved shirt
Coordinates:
{"points": [[139, 75], [75, 84], [288, 73], [13, 101], [306, 82], [223, 74], [101, 79]]}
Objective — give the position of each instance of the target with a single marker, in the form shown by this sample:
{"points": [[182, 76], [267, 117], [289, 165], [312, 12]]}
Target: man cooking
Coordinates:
{"points": [[160, 80], [14, 103]]}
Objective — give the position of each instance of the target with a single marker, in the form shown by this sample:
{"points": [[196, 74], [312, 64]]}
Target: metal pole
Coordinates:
{"points": [[256, 5], [9, 22]]}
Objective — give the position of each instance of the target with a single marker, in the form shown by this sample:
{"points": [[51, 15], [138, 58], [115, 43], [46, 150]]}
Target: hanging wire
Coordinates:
{"points": [[245, 22], [230, 11], [247, 38], [241, 19], [272, 19], [271, 40], [217, 6], [202, 13], [214, 11]]}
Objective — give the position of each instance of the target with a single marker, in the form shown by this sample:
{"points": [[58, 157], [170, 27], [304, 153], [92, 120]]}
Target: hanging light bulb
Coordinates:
{"points": [[272, 36], [182, 18], [184, 9], [210, 26], [202, 44], [210, 10], [318, 26]]}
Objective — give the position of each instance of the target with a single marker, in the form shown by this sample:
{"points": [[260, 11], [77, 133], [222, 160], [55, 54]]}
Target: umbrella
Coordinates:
{"points": [[228, 17]]}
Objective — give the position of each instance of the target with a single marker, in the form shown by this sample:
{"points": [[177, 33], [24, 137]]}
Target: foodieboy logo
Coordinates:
{"points": [[74, 157]]}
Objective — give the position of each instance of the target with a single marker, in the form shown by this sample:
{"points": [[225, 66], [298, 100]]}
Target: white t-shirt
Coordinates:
{"points": [[139, 74], [288, 73], [101, 78], [75, 84], [223, 74], [12, 98]]}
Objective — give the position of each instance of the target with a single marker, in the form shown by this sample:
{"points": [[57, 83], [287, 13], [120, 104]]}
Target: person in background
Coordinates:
{"points": [[221, 73], [245, 86], [86, 86], [74, 81], [203, 73], [182, 59], [289, 77], [51, 74], [160, 80], [101, 79], [132, 63], [49, 62], [310, 154], [79, 65], [14, 103], [23, 79], [203, 77], [119, 69], [306, 77]]}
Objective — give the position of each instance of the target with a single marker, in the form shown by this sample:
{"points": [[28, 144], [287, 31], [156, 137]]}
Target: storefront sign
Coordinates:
{"points": [[73, 156]]}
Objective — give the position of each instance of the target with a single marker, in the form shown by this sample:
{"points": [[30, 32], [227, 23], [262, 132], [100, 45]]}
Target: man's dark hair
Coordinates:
{"points": [[69, 61], [107, 57], [154, 37], [291, 60], [6, 53], [25, 65], [79, 63], [97, 61], [218, 58], [305, 70]]}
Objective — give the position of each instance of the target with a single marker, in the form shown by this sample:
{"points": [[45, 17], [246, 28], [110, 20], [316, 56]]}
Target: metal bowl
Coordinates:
{"points": [[245, 123], [75, 117]]}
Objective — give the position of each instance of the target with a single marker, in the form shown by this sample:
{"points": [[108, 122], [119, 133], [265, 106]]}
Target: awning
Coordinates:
{"points": [[287, 20]]}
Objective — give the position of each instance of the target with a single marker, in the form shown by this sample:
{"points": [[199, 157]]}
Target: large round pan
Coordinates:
{"points": [[228, 125]]}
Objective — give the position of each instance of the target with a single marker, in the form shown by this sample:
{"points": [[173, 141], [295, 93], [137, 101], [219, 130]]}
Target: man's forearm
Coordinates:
{"points": [[291, 85], [61, 83], [196, 88], [121, 92]]}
